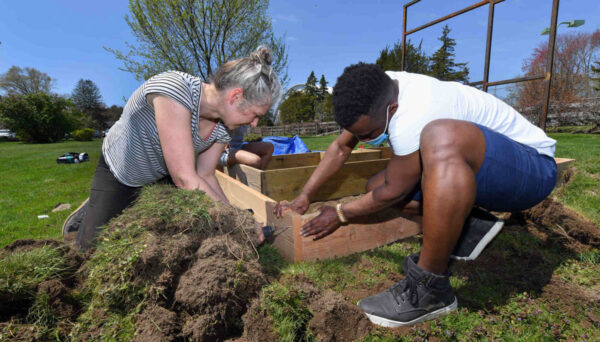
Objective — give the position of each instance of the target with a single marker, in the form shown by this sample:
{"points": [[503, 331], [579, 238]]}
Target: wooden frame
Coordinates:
{"points": [[260, 190], [285, 175], [361, 235]]}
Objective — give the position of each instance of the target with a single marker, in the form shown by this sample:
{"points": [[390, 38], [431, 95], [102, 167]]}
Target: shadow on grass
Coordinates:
{"points": [[521, 259]]}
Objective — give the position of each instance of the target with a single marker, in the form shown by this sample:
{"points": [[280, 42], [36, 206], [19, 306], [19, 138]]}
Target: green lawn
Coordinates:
{"points": [[583, 191], [32, 183], [507, 294]]}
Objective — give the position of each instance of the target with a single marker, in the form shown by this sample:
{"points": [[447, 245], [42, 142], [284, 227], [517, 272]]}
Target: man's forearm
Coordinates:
{"points": [[331, 163], [372, 202]]}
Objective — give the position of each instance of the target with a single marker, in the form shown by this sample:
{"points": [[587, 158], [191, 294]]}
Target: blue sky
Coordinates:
{"points": [[65, 38]]}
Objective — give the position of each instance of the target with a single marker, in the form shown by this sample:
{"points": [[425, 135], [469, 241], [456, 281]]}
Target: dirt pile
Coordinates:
{"points": [[188, 270], [565, 223], [39, 289], [311, 312]]}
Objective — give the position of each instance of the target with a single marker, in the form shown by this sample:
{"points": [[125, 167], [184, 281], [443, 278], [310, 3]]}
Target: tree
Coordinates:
{"points": [[297, 107], [309, 104], [267, 119], [442, 64], [416, 59], [196, 36], [572, 70], [596, 79], [19, 81], [38, 117], [324, 109], [86, 97], [322, 93], [112, 113], [310, 87]]}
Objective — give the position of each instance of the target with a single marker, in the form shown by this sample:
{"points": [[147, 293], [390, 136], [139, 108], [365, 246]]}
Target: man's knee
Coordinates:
{"points": [[442, 140], [269, 148]]}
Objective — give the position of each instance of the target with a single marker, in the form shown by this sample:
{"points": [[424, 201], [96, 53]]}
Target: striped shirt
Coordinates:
{"points": [[132, 147]]}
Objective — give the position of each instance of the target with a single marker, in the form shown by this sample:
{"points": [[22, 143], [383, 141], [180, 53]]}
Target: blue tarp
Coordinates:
{"points": [[285, 145]]}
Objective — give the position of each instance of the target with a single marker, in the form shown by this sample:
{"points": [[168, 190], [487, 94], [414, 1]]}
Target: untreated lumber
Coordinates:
{"points": [[294, 160], [386, 152], [244, 197], [360, 155], [351, 179], [360, 235], [562, 165]]}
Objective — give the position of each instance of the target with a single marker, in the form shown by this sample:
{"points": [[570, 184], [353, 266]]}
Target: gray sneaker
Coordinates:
{"points": [[479, 230], [73, 222], [419, 297]]}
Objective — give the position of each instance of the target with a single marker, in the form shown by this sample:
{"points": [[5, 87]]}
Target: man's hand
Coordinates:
{"points": [[326, 223], [299, 204]]}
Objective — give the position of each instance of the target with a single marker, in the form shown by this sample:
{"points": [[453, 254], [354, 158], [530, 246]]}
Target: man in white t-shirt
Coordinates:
{"points": [[457, 151]]}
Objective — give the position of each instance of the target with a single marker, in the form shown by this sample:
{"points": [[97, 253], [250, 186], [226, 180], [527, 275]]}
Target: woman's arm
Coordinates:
{"points": [[205, 168], [175, 134]]}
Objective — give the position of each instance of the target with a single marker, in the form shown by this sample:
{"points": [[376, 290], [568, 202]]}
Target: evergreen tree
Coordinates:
{"points": [[596, 71], [442, 64], [416, 59], [311, 85], [86, 97], [322, 93]]}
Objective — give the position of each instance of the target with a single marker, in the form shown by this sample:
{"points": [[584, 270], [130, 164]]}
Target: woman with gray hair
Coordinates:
{"points": [[174, 125]]}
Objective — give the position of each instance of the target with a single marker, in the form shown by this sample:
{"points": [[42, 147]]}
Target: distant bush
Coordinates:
{"points": [[84, 134], [250, 137], [37, 117]]}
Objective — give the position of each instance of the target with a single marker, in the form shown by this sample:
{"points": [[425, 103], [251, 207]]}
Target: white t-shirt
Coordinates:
{"points": [[422, 99]]}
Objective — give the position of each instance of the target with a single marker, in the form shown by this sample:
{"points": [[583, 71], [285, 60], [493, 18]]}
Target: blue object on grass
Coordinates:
{"points": [[286, 145]]}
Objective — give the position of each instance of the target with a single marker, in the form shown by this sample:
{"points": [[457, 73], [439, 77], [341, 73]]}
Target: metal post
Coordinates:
{"points": [[403, 39], [549, 64], [488, 46]]}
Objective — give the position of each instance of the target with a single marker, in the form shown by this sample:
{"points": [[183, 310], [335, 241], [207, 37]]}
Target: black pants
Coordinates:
{"points": [[108, 198]]}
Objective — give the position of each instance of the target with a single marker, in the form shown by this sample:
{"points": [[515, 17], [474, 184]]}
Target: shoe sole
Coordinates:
{"points": [[388, 323], [64, 233], [487, 238]]}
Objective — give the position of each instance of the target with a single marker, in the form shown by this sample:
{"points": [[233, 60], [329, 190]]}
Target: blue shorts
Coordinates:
{"points": [[512, 177]]}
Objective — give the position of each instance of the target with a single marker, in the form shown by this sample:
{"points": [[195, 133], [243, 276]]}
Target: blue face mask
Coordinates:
{"points": [[383, 137]]}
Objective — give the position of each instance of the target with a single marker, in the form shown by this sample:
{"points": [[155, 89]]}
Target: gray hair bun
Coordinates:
{"points": [[262, 55], [253, 74]]}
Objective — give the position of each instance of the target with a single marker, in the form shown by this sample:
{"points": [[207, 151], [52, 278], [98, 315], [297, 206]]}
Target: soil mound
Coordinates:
{"points": [[175, 266], [38, 289], [566, 224], [331, 317]]}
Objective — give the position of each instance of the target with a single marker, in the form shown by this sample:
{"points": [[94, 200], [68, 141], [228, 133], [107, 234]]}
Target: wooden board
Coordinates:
{"points": [[244, 197], [386, 152], [562, 164], [361, 154], [359, 236], [294, 160], [350, 180]]}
